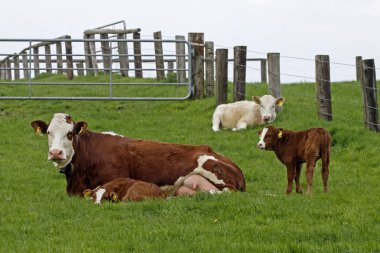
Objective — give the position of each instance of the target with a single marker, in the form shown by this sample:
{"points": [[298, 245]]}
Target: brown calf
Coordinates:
{"points": [[294, 148], [124, 189]]}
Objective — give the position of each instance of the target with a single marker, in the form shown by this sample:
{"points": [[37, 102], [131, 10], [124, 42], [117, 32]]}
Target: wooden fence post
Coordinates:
{"points": [[9, 69], [25, 65], [323, 92], [16, 64], [48, 59], [263, 64], [80, 70], [221, 62], [123, 54], [180, 59], [210, 66], [69, 58], [359, 70], [36, 62], [240, 63], [58, 46], [2, 70], [137, 53], [93, 54], [158, 51], [274, 74], [197, 63], [106, 52], [87, 56], [369, 87], [170, 67]]}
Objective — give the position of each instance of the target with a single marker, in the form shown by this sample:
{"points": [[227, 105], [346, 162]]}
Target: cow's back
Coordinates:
{"points": [[233, 112]]}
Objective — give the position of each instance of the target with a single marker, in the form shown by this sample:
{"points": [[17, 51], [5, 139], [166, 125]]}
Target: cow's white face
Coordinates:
{"points": [[60, 139], [267, 105]]}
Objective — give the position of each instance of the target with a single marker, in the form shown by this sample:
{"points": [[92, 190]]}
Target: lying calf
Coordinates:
{"points": [[124, 189], [294, 148], [239, 115]]}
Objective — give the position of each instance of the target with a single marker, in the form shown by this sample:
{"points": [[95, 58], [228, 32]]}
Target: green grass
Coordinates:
{"points": [[36, 215]]}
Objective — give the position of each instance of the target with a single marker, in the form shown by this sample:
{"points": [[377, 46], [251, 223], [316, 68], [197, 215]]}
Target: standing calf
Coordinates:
{"points": [[294, 148]]}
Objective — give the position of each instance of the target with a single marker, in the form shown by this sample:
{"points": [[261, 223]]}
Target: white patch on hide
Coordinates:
{"points": [[99, 195], [205, 173]]}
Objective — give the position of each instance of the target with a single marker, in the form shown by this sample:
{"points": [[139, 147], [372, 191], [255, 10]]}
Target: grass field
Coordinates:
{"points": [[36, 215]]}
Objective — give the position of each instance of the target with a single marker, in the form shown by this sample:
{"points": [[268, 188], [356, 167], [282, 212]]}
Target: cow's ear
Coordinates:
{"points": [[80, 127], [279, 133], [256, 99], [114, 197], [88, 193], [280, 101], [39, 126]]}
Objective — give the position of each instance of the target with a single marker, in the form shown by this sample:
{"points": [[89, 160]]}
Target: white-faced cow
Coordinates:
{"points": [[90, 159], [239, 115], [295, 148]]}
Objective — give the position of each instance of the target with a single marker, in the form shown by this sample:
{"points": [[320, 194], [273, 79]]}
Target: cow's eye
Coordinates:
{"points": [[48, 132], [70, 136]]}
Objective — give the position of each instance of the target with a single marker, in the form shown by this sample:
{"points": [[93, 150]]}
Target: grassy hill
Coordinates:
{"points": [[36, 215]]}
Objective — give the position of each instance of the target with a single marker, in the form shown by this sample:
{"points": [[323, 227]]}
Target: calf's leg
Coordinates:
{"points": [[325, 173], [290, 172], [297, 178], [310, 164]]}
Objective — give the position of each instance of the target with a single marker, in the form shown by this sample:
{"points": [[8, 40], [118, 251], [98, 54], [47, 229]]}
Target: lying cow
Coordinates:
{"points": [[89, 159], [239, 115], [294, 148], [124, 189]]}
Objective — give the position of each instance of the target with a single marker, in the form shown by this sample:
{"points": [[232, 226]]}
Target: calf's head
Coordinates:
{"points": [[268, 105], [269, 136], [61, 132], [99, 195]]}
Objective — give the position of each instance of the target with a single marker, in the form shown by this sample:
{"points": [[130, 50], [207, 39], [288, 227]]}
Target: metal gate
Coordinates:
{"points": [[73, 69]]}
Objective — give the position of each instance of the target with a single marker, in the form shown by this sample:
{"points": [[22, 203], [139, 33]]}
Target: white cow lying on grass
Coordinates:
{"points": [[239, 115]]}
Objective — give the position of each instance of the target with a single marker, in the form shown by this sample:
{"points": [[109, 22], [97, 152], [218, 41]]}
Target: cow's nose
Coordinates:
{"points": [[55, 154], [266, 118]]}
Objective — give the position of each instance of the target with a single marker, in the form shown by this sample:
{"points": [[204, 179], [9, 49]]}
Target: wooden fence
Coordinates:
{"points": [[209, 74]]}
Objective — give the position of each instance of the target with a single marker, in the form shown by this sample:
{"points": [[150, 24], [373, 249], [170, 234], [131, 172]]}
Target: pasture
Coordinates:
{"points": [[36, 215]]}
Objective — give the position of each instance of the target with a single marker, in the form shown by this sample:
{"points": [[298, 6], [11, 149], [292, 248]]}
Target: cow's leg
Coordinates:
{"points": [[199, 183], [310, 164], [240, 125], [183, 190], [297, 177], [291, 172]]}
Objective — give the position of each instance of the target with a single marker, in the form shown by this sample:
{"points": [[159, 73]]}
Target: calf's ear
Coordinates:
{"points": [[80, 127], [39, 126], [87, 193], [114, 197], [256, 99], [260, 131], [280, 101]]}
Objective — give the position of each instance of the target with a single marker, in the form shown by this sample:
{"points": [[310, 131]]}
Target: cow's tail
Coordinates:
{"points": [[217, 118]]}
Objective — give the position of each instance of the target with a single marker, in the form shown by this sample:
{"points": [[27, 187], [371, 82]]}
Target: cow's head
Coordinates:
{"points": [[269, 136], [61, 132], [268, 105], [99, 195]]}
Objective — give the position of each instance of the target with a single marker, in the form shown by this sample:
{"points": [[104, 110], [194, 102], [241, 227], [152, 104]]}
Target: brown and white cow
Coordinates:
{"points": [[90, 159], [294, 148], [124, 189], [239, 115]]}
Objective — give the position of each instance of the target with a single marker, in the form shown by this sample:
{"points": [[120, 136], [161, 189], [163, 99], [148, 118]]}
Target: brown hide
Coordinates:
{"points": [[101, 158], [128, 189], [294, 148]]}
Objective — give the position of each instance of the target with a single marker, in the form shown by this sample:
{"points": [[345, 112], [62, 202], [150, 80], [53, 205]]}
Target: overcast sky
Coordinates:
{"points": [[342, 29]]}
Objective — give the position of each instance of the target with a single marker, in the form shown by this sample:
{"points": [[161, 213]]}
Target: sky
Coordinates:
{"points": [[297, 29]]}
